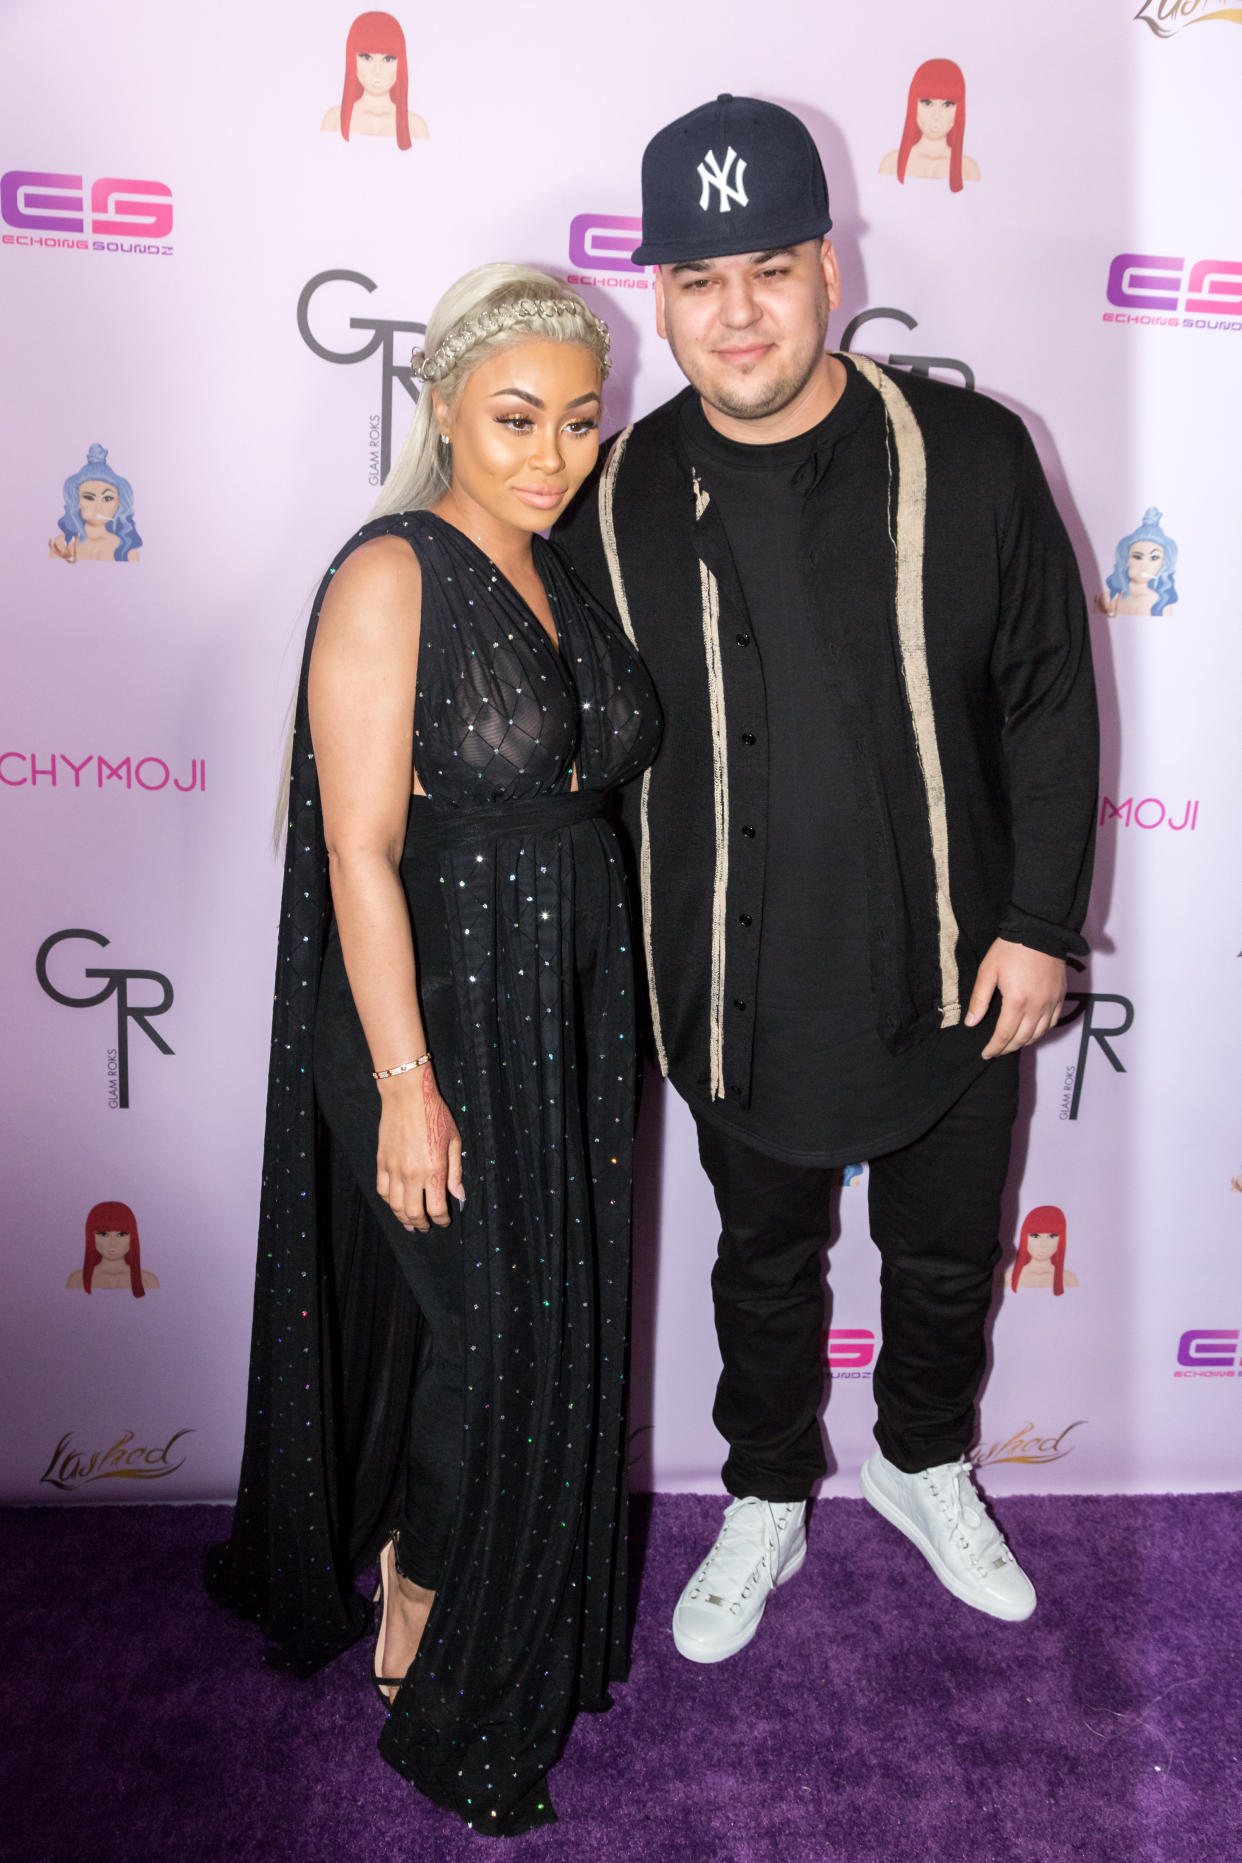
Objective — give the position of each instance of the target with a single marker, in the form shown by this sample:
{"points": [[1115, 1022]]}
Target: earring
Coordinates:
{"points": [[444, 439]]}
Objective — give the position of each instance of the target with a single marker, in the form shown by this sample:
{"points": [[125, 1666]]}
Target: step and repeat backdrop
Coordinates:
{"points": [[221, 237]]}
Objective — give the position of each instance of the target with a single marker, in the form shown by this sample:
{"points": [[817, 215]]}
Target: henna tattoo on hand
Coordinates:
{"points": [[436, 1114]]}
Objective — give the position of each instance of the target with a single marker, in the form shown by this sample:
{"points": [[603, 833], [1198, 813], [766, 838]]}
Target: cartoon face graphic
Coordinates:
{"points": [[376, 72], [1041, 1252], [1142, 582], [935, 129], [375, 95], [112, 1261], [935, 116], [98, 522]]}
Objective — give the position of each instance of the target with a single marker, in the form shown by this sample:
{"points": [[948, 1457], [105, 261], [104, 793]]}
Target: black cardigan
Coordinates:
{"points": [[977, 777]]}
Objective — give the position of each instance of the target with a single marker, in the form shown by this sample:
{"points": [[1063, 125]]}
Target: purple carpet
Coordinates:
{"points": [[874, 1719]]}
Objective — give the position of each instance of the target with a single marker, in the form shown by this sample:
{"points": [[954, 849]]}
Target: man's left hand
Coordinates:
{"points": [[1032, 987]]}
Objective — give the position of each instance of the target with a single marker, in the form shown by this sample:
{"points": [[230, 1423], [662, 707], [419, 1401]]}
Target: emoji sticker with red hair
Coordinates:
{"points": [[376, 89], [1041, 1252], [935, 129], [112, 1260]]}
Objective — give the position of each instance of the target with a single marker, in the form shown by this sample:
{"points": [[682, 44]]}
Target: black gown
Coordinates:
{"points": [[525, 977]]}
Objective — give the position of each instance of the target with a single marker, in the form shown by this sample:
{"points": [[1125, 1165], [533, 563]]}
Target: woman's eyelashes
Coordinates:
{"points": [[522, 423]]}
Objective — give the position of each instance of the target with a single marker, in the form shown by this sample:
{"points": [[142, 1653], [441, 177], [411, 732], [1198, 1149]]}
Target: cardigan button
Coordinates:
{"points": [[738, 1003], [748, 831], [744, 918], [748, 737], [743, 640]]}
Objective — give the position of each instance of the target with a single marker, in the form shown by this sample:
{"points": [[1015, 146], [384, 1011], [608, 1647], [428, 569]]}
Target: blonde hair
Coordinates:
{"points": [[507, 304]]}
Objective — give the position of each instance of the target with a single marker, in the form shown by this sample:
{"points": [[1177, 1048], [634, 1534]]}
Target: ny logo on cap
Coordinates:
{"points": [[712, 175]]}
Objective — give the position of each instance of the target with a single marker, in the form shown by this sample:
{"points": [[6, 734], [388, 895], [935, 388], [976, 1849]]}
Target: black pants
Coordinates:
{"points": [[935, 1217]]}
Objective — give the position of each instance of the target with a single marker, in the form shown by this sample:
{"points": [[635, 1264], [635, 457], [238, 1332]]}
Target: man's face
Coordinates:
{"points": [[748, 330]]}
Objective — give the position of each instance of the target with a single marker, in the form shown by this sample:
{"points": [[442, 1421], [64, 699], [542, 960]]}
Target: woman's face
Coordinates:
{"points": [[936, 117], [377, 72], [525, 430], [1146, 561], [1041, 1244], [97, 501], [113, 1244]]}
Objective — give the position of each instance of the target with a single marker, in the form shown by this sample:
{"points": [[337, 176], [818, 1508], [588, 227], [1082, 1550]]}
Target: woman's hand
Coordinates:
{"points": [[419, 1157], [64, 549]]}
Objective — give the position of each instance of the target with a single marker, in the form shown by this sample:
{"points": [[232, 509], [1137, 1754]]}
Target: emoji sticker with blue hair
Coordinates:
{"points": [[98, 522], [1142, 582]]}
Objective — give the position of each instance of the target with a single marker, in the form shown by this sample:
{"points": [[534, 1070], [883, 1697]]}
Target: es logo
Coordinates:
{"points": [[115, 982], [37, 202], [918, 365], [848, 1351], [1210, 1352], [1155, 282], [603, 242], [383, 332]]}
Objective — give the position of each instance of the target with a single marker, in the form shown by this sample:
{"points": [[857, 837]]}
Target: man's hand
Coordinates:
{"points": [[1032, 987]]}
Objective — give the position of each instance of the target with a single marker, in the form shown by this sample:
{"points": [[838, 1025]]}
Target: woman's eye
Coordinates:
{"points": [[585, 425], [517, 423]]}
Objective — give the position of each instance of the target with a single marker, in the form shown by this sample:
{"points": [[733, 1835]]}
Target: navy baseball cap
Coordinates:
{"points": [[736, 175]]}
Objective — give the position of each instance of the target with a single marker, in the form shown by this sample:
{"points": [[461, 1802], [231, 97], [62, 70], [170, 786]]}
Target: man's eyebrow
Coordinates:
{"points": [[703, 265]]}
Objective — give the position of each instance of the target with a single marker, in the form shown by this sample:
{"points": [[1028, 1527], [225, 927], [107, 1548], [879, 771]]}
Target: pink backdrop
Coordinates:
{"points": [[169, 202]]}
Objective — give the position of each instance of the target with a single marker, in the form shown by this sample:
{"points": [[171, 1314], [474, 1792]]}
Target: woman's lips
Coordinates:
{"points": [[542, 497]]}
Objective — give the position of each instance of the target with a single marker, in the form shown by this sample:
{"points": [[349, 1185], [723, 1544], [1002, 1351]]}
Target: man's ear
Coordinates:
{"points": [[831, 271], [661, 324]]}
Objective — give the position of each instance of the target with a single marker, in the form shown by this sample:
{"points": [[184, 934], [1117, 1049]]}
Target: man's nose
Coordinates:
{"points": [[738, 308]]}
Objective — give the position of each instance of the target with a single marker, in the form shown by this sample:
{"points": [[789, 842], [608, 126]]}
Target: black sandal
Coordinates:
{"points": [[382, 1682]]}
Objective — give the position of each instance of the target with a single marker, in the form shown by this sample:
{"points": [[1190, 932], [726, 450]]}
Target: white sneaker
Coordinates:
{"points": [[942, 1513], [760, 1546]]}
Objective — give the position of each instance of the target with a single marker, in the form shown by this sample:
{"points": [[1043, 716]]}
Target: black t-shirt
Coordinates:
{"points": [[825, 1089]]}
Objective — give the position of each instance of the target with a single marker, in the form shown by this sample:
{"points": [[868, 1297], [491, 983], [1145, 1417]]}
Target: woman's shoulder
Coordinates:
{"points": [[373, 576]]}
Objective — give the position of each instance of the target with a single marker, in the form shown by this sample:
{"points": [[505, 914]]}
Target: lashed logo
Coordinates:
{"points": [[72, 1468], [712, 175], [1167, 17], [1025, 1445]]}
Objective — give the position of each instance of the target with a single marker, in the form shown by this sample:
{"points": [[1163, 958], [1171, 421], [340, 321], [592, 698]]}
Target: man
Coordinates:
{"points": [[864, 851]]}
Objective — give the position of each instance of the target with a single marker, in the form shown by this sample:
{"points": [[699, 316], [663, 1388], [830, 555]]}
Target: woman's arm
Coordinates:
{"points": [[363, 674]]}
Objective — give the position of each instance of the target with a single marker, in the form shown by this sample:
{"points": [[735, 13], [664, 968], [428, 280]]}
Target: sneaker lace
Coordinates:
{"points": [[971, 1525], [748, 1541]]}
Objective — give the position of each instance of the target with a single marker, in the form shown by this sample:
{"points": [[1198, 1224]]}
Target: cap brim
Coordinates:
{"points": [[724, 245]]}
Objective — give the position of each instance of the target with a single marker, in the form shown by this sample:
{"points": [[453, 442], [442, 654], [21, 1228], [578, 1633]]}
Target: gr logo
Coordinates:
{"points": [[52, 203], [116, 982], [1100, 1025], [1210, 1352], [383, 333], [603, 242], [918, 365], [1150, 281]]}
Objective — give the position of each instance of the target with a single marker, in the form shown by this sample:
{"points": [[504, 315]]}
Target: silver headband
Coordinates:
{"points": [[444, 360]]}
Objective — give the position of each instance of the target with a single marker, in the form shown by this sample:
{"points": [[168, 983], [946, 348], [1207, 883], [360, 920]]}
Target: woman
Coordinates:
{"points": [[1142, 581], [374, 98], [1041, 1252], [935, 128], [112, 1258], [440, 1312], [98, 523]]}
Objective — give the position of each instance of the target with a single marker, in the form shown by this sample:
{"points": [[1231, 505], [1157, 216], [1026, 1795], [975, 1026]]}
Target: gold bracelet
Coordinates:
{"points": [[386, 1073]]}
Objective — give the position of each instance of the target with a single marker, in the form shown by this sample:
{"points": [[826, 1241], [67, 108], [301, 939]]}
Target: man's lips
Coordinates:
{"points": [[744, 352]]}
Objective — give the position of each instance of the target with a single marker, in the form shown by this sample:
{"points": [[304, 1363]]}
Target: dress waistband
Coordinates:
{"points": [[430, 830]]}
